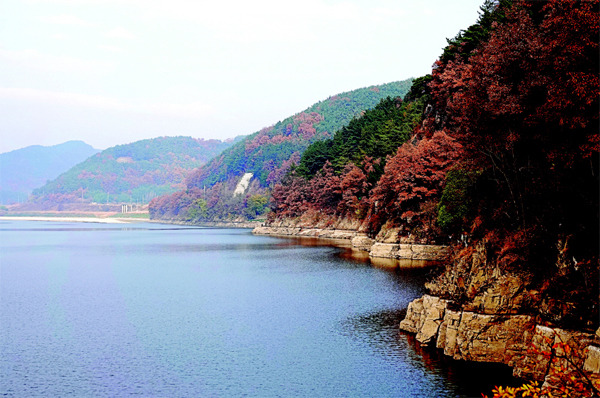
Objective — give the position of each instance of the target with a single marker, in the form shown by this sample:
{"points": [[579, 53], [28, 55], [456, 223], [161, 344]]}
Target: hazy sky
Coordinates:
{"points": [[110, 72]]}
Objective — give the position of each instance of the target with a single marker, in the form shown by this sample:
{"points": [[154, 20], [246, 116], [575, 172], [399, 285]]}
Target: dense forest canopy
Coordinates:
{"points": [[378, 132], [267, 152]]}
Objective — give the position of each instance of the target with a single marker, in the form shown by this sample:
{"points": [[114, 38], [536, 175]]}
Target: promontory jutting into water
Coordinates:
{"points": [[152, 310]]}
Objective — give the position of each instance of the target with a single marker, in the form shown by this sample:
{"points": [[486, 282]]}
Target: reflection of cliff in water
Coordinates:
{"points": [[469, 379], [386, 263]]}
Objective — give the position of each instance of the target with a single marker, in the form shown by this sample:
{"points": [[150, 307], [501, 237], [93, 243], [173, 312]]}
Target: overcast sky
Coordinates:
{"points": [[110, 72]]}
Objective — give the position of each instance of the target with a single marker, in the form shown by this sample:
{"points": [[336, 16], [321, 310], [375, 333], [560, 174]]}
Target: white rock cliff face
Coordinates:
{"points": [[241, 187]]}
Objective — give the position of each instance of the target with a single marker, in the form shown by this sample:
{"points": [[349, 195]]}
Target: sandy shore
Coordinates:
{"points": [[70, 219]]}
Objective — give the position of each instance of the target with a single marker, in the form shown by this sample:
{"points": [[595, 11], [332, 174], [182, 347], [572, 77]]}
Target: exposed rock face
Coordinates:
{"points": [[360, 241], [243, 184], [424, 317], [409, 251], [592, 359], [306, 232], [388, 235], [414, 319], [535, 364], [336, 234], [534, 352], [505, 296], [316, 220], [448, 332], [433, 317], [489, 338]]}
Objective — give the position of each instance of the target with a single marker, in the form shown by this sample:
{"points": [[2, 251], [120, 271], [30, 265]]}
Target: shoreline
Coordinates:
{"points": [[73, 219], [361, 242], [125, 220], [210, 224], [535, 351]]}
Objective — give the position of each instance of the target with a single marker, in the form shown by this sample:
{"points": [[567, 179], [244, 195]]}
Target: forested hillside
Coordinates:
{"points": [[134, 172], [25, 169], [504, 161], [267, 154]]}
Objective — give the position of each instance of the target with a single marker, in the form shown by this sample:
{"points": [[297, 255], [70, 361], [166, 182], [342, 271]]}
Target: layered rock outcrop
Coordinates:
{"points": [[388, 244], [305, 232], [409, 251], [535, 352], [360, 241]]}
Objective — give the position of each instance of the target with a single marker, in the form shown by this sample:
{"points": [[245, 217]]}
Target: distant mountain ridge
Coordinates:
{"points": [[25, 169], [134, 172]]}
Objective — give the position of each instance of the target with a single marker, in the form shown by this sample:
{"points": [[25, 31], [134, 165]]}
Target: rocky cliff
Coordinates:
{"points": [[479, 310], [534, 351], [388, 244], [361, 241]]}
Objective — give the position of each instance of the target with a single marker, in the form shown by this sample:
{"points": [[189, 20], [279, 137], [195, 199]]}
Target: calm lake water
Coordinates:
{"points": [[168, 311]]}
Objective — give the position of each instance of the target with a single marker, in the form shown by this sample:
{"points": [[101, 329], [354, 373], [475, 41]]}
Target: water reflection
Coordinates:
{"points": [[471, 379], [349, 253], [381, 329]]}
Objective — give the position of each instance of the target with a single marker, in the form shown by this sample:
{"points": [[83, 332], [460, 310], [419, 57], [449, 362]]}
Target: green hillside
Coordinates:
{"points": [[377, 133], [268, 155], [134, 172]]}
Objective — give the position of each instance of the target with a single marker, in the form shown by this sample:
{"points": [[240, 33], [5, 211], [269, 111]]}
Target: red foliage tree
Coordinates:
{"points": [[277, 173], [414, 176], [525, 104], [289, 199], [324, 190], [354, 188], [525, 108]]}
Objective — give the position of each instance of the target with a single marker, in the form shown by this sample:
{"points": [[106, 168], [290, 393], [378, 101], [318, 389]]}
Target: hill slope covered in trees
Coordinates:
{"points": [[25, 169], [268, 155], [134, 172], [505, 158]]}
